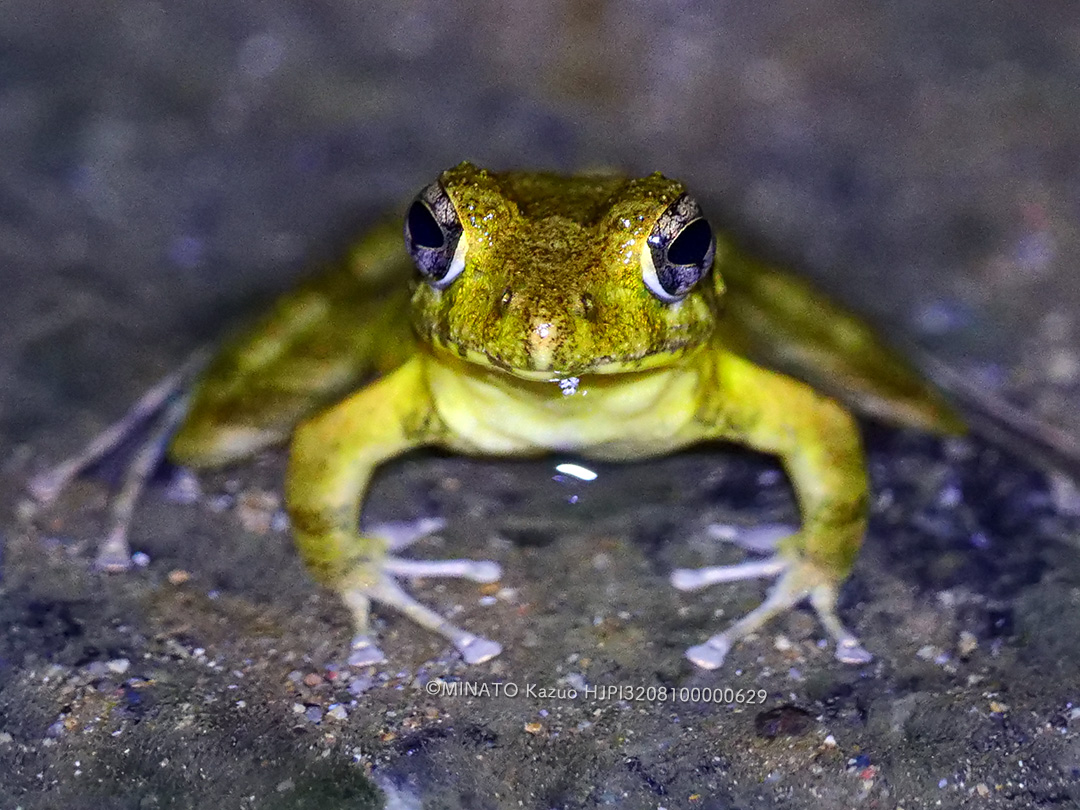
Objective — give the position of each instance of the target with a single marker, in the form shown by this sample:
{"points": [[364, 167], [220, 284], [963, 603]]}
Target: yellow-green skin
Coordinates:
{"points": [[551, 290]]}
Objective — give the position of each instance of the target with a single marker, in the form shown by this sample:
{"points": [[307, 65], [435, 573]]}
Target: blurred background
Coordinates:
{"points": [[166, 165]]}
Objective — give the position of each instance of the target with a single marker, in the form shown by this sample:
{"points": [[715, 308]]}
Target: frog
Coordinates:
{"points": [[522, 313]]}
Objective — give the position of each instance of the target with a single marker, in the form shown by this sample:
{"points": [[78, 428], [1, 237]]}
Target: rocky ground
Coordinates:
{"points": [[168, 168]]}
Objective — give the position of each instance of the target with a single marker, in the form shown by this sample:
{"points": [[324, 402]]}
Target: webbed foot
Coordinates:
{"points": [[799, 579]]}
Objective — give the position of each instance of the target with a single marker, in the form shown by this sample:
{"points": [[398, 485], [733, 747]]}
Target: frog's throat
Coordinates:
{"points": [[604, 365]]}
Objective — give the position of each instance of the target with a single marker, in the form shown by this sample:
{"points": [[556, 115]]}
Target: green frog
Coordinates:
{"points": [[526, 313]]}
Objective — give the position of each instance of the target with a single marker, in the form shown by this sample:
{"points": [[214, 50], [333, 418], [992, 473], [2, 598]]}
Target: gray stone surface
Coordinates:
{"points": [[168, 167]]}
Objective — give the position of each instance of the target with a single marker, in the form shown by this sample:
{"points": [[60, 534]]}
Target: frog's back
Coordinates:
{"points": [[318, 343]]}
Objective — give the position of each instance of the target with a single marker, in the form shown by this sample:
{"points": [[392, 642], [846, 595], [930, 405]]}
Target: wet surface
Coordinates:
{"points": [[167, 170]]}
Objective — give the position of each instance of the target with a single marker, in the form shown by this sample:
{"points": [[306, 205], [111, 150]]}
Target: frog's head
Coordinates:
{"points": [[548, 277]]}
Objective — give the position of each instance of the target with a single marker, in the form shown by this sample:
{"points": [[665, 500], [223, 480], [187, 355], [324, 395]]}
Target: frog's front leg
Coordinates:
{"points": [[818, 442], [331, 462]]}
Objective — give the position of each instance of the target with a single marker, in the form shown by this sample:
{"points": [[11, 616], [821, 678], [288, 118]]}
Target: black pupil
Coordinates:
{"points": [[423, 228], [692, 243]]}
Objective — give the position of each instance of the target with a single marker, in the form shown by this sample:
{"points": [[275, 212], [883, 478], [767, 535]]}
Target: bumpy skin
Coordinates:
{"points": [[315, 345], [549, 340]]}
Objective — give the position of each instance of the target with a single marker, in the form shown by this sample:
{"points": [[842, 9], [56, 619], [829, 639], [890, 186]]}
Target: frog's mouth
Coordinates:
{"points": [[537, 370]]}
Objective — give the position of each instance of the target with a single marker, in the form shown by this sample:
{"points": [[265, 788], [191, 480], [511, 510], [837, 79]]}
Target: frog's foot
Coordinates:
{"points": [[400, 534], [385, 590], [114, 553], [799, 579], [163, 407]]}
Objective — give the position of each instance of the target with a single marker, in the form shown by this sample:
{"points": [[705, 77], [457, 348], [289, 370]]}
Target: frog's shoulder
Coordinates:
{"points": [[345, 324], [783, 322]]}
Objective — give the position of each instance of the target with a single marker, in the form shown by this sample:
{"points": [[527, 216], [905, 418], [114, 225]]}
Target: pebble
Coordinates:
{"points": [[178, 576], [967, 644], [256, 509], [575, 680], [360, 684], [97, 669]]}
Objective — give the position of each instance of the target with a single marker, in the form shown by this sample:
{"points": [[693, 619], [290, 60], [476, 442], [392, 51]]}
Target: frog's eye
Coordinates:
{"points": [[433, 236], [680, 251]]}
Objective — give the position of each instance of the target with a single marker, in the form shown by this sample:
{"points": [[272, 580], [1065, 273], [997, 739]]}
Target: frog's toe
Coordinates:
{"points": [[401, 534], [692, 579], [385, 590], [477, 650], [475, 570], [848, 648], [114, 553], [799, 580], [711, 654], [46, 486], [364, 652]]}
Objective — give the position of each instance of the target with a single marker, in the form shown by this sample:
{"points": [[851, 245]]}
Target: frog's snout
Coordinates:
{"points": [[543, 337], [531, 333]]}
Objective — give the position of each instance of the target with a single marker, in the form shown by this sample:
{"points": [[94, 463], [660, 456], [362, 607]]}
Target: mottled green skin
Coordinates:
{"points": [[552, 288], [553, 283], [314, 346]]}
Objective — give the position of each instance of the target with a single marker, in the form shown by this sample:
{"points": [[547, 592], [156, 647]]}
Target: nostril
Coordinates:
{"points": [[588, 307], [507, 297]]}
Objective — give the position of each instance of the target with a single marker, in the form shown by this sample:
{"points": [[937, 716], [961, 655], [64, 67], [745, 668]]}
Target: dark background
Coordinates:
{"points": [[166, 167]]}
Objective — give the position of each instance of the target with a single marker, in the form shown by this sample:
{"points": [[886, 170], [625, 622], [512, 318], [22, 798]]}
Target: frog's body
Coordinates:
{"points": [[550, 313]]}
